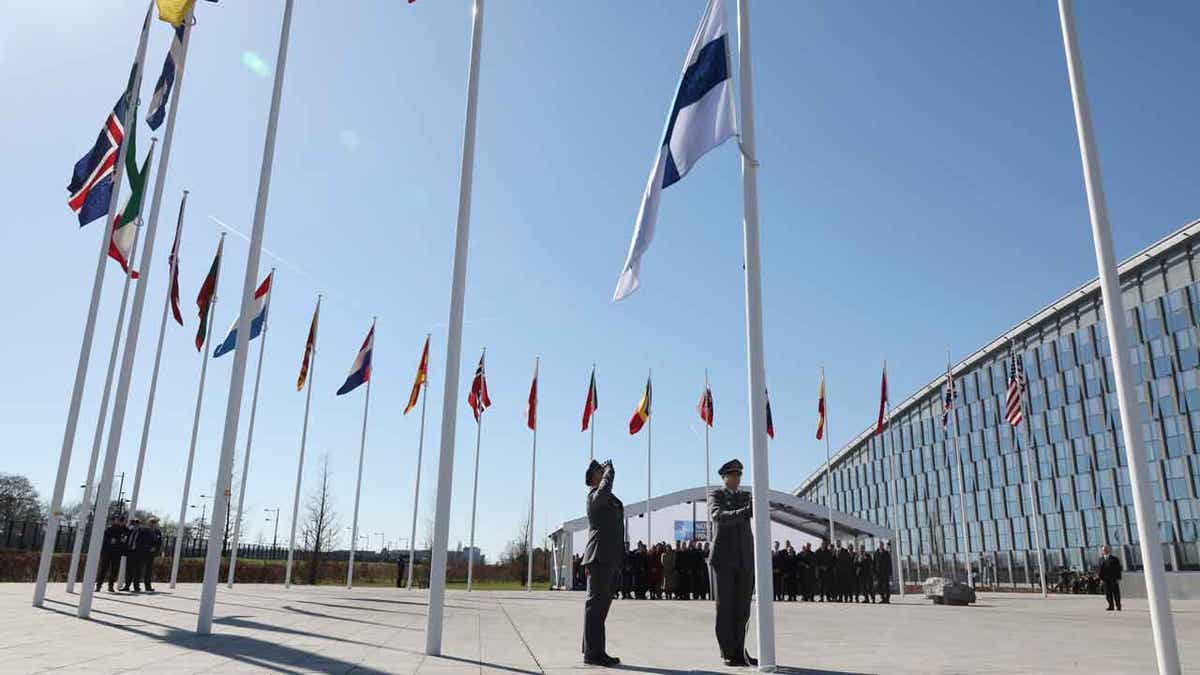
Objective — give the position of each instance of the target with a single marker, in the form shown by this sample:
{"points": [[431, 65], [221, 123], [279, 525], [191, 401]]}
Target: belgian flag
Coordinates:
{"points": [[642, 413]]}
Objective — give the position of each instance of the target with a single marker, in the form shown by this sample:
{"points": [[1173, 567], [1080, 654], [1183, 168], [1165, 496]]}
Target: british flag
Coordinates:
{"points": [[1016, 392], [91, 180]]}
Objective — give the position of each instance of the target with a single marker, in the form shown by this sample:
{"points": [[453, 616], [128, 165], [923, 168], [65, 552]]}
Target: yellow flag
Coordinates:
{"points": [[174, 11]]}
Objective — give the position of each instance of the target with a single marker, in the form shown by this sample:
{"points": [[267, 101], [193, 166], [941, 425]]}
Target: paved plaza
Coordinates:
{"points": [[373, 630]]}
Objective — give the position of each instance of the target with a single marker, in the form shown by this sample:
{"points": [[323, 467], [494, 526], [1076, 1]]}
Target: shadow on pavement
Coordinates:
{"points": [[334, 617], [497, 666]]}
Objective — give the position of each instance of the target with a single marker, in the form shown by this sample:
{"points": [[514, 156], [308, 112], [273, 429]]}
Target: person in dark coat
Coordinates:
{"points": [[791, 571], [702, 552], [133, 557], [865, 567], [883, 573], [732, 561], [603, 555], [824, 567], [154, 542], [111, 550], [1110, 577], [807, 572], [844, 573], [777, 572]]}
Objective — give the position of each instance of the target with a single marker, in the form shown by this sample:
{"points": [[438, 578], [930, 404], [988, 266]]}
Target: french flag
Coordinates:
{"points": [[261, 302], [360, 372]]}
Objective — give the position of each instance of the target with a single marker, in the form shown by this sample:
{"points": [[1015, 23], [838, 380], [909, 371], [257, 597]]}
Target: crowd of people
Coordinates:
{"points": [[830, 574], [666, 573], [138, 544]]}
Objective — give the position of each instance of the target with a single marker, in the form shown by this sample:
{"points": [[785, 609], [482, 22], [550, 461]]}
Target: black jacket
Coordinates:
{"points": [[606, 524], [115, 537], [733, 541], [1110, 568], [883, 564]]}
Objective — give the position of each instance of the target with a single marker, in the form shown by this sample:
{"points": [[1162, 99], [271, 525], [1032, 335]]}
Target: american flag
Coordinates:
{"points": [[1016, 390], [948, 400]]}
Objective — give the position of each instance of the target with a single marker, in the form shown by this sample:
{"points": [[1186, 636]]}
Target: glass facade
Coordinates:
{"points": [[1076, 457]]}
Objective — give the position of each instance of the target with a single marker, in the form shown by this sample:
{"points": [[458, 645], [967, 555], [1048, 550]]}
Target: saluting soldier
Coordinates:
{"points": [[602, 558], [732, 562]]}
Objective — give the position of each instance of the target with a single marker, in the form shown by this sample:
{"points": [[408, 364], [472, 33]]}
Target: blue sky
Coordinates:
{"points": [[920, 189]]}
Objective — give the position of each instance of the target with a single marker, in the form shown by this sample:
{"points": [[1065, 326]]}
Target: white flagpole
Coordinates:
{"points": [[262, 348], [757, 381], [592, 422], [1114, 315], [474, 498], [532, 483], [155, 205], [412, 538], [707, 473], [649, 433], [120, 400], [187, 473], [441, 526], [1035, 522], [828, 460], [50, 537], [899, 552], [212, 562], [162, 326], [362, 449], [98, 519], [962, 489], [312, 366]]}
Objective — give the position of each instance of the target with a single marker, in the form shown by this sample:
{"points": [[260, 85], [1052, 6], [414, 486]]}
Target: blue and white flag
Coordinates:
{"points": [[261, 303], [701, 119], [166, 81], [360, 370]]}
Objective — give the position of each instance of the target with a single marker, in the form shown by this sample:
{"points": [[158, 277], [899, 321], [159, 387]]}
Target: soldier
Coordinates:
{"points": [[732, 562], [791, 583], [670, 576], [133, 557], [883, 573], [777, 572], [604, 554], [1110, 576], [865, 567], [110, 552], [808, 572], [823, 559], [154, 542], [843, 571], [702, 552]]}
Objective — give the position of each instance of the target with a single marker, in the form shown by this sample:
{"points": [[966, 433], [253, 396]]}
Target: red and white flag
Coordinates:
{"points": [[531, 411], [478, 398]]}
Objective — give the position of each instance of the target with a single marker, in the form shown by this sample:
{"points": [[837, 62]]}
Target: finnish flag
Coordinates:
{"points": [[701, 119]]}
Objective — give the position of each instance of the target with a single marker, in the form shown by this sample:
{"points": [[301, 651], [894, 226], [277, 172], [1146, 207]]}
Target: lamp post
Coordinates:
{"points": [[275, 536]]}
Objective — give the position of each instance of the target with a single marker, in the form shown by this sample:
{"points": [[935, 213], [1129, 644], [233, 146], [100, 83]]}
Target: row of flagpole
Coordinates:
{"points": [[1163, 628]]}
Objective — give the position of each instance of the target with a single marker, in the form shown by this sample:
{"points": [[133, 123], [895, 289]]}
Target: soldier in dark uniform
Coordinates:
{"points": [[865, 567], [883, 573], [1110, 576], [111, 550], [791, 583], [154, 542], [732, 562], [807, 572], [823, 559], [844, 573], [702, 551], [777, 572], [606, 527], [133, 557]]}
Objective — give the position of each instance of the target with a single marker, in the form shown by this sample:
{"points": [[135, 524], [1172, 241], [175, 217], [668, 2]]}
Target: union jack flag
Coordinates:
{"points": [[1016, 391], [948, 400]]}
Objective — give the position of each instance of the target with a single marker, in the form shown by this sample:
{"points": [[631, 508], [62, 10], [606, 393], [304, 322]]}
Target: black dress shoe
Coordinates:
{"points": [[736, 663], [611, 660], [601, 660], [750, 660]]}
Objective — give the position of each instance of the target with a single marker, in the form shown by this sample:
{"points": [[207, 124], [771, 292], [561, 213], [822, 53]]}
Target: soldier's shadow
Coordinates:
{"points": [[787, 670]]}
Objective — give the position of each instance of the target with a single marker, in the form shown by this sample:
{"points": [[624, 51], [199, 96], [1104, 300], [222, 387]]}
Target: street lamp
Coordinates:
{"points": [[274, 537]]}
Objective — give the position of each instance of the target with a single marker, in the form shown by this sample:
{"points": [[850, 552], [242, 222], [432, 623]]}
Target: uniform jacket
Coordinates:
{"points": [[1110, 568], [732, 541], [606, 524], [114, 538], [883, 564]]}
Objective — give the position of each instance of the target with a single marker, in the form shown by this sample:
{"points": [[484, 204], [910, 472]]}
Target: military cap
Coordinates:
{"points": [[732, 466], [591, 467]]}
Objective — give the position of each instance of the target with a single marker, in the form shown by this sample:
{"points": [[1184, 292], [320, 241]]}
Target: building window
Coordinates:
{"points": [[1083, 492], [1195, 461], [1020, 535], [1046, 354], [1108, 488], [1106, 454], [1152, 436], [1094, 409], [1113, 516], [1012, 501], [1164, 395], [1185, 349], [1190, 386], [1066, 496], [1177, 310], [1054, 535], [1074, 413], [1086, 350], [1189, 519], [1177, 478], [1074, 536], [1004, 535], [1054, 391], [1151, 320], [1160, 356], [1175, 436], [1071, 385], [1062, 459], [1047, 503], [1166, 526], [1093, 383]]}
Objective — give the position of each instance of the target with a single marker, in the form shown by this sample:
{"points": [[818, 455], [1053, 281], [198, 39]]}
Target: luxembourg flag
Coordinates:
{"points": [[262, 302], [360, 372]]}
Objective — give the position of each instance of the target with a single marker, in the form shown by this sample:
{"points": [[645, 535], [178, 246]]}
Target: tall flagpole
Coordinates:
{"points": [[899, 558], [412, 538], [592, 424], [962, 488], [1035, 522], [757, 381], [649, 434], [312, 367], [50, 538], [362, 449], [187, 473], [212, 561], [474, 499], [155, 204], [1114, 318], [828, 463], [532, 483], [441, 521], [262, 348], [120, 400], [707, 473], [101, 519], [162, 324]]}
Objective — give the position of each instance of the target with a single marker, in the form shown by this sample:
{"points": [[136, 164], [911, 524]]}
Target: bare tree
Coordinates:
{"points": [[320, 525], [18, 498]]}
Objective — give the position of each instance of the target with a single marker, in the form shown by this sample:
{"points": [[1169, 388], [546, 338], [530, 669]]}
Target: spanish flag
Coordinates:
{"points": [[642, 414], [422, 378], [821, 408]]}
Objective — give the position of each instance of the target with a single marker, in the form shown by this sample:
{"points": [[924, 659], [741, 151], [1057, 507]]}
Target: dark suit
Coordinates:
{"points": [[883, 574], [1110, 575], [603, 557], [732, 561]]}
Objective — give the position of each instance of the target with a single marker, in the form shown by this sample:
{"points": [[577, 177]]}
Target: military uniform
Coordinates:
{"points": [[883, 574], [732, 562], [604, 554], [865, 568]]}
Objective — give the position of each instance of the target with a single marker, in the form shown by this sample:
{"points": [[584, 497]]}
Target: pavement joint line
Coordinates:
{"points": [[520, 636]]}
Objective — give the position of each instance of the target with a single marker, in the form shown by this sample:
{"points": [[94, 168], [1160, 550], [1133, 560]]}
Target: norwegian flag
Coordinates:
{"points": [[948, 400], [478, 398], [1016, 392]]}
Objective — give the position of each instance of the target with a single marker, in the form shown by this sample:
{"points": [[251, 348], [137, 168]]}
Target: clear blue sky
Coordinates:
{"points": [[920, 189]]}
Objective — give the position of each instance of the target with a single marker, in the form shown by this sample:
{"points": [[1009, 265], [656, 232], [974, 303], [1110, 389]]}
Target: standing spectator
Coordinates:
{"points": [[777, 572], [669, 576], [865, 567], [791, 571], [154, 541], [1110, 576], [883, 573], [133, 556], [111, 551], [807, 571]]}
